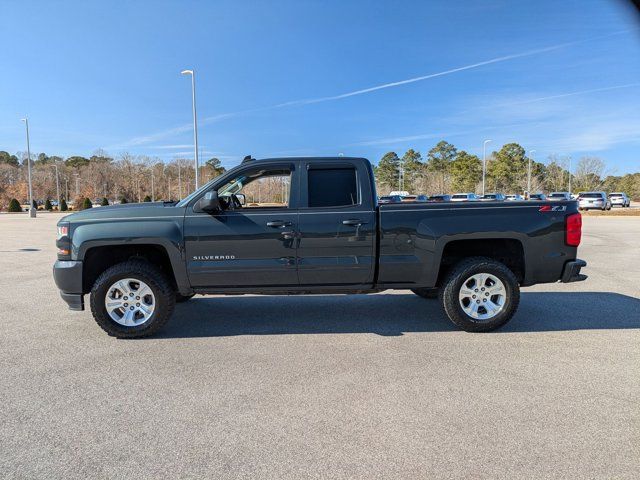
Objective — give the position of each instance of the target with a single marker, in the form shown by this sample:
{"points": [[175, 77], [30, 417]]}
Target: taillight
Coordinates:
{"points": [[573, 229]]}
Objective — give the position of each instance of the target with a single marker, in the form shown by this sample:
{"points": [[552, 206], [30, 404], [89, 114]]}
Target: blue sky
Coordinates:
{"points": [[285, 78]]}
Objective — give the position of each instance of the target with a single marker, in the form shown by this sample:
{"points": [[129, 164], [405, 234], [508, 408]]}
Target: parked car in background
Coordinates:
{"points": [[390, 199], [541, 197], [464, 197], [399, 193], [619, 198], [492, 197], [414, 198], [588, 200], [514, 197], [559, 196], [440, 198]]}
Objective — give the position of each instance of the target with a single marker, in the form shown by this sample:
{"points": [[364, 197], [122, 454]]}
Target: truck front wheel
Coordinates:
{"points": [[480, 294], [132, 299]]}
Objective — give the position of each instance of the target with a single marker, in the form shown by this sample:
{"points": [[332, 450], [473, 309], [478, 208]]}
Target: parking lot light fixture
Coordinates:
{"points": [[57, 183], [531, 152], [195, 120], [32, 211], [484, 163]]}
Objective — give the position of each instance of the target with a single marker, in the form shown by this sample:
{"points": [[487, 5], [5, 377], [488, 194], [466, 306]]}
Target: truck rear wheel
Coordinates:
{"points": [[480, 294], [429, 293], [132, 299]]}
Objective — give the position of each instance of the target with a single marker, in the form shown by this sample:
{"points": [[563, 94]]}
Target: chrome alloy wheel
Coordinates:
{"points": [[130, 302], [482, 296]]}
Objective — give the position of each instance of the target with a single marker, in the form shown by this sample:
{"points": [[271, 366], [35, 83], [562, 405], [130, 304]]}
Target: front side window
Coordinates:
{"points": [[332, 187], [260, 188]]}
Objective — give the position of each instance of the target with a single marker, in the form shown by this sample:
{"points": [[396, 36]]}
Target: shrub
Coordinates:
{"points": [[63, 205], [14, 205], [123, 200], [47, 205], [86, 203], [147, 199], [105, 202]]}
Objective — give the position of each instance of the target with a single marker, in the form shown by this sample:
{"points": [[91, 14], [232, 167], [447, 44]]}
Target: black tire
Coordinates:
{"points": [[157, 281], [429, 293], [454, 281], [183, 298]]}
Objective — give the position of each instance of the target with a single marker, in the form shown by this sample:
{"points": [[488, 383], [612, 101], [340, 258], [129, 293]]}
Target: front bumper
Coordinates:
{"points": [[571, 272], [68, 277]]}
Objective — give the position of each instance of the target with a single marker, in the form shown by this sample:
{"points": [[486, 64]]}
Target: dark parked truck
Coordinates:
{"points": [[305, 226]]}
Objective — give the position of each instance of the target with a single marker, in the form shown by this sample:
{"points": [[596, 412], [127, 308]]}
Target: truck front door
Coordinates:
{"points": [[252, 241]]}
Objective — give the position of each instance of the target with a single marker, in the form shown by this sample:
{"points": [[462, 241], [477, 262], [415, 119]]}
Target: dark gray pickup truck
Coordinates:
{"points": [[305, 226]]}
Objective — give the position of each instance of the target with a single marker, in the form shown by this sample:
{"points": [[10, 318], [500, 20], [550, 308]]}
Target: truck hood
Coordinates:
{"points": [[128, 210]]}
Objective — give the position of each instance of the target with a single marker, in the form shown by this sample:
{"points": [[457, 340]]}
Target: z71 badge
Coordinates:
{"points": [[205, 258]]}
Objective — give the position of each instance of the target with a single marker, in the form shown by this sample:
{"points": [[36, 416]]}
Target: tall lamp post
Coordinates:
{"points": [[195, 120], [484, 163], [531, 152], [569, 174], [57, 184], [32, 211]]}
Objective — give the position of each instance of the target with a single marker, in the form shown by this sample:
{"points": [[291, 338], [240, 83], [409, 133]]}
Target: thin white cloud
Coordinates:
{"points": [[207, 120], [570, 94]]}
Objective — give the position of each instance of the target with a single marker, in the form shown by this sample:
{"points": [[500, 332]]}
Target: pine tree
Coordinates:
{"points": [[147, 198], [123, 200], [86, 203], [63, 205], [105, 202], [47, 205]]}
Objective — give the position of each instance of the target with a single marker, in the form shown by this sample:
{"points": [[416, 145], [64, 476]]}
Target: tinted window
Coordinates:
{"points": [[332, 187], [591, 195]]}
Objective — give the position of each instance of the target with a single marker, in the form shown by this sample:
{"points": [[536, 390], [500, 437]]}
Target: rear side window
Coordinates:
{"points": [[332, 187]]}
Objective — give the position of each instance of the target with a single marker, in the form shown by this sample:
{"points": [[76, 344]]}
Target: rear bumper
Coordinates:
{"points": [[571, 272], [68, 278]]}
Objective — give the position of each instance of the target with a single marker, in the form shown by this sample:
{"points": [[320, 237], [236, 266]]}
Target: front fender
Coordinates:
{"points": [[164, 233]]}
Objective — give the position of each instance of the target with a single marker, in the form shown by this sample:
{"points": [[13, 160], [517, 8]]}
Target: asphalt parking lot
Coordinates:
{"points": [[379, 386]]}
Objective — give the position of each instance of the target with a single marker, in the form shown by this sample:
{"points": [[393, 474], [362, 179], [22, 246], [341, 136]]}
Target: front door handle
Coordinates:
{"points": [[278, 224], [353, 222]]}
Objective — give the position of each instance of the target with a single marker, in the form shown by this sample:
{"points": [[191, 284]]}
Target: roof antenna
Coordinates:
{"points": [[247, 159]]}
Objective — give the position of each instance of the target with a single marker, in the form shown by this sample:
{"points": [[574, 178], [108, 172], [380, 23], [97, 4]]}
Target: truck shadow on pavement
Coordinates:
{"points": [[389, 314]]}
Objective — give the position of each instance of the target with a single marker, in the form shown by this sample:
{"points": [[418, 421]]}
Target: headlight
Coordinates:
{"points": [[63, 242]]}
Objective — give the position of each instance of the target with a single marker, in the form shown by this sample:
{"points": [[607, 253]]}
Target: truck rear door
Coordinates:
{"points": [[337, 223]]}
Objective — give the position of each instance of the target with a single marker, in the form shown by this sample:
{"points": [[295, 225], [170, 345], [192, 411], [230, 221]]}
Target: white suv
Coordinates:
{"points": [[619, 198], [464, 197]]}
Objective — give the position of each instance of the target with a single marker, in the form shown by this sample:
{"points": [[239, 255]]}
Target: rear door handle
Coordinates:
{"points": [[278, 224], [354, 222]]}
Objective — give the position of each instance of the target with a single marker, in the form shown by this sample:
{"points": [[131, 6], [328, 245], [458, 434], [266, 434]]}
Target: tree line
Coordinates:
{"points": [[444, 169], [123, 179]]}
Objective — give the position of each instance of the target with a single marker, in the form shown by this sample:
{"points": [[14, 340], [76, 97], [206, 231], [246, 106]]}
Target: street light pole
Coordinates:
{"points": [[179, 182], [195, 120], [531, 152], [484, 163], [32, 211], [569, 174], [153, 190], [57, 184]]}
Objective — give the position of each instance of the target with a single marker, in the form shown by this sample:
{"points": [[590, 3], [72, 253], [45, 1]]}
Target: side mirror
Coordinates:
{"points": [[209, 203], [241, 198]]}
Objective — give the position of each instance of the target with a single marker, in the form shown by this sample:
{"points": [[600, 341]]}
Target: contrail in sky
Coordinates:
{"points": [[159, 135]]}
